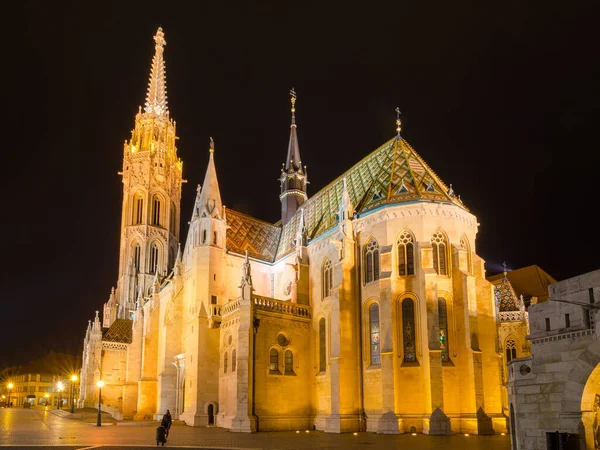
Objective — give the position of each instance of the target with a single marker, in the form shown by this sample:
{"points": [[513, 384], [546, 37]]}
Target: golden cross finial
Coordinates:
{"points": [[398, 128], [212, 145], [293, 99]]}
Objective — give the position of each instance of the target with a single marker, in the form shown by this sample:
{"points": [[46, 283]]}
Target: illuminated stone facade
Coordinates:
{"points": [[365, 308]]}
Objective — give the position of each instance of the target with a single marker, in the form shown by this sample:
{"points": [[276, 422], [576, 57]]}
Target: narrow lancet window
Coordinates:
{"points": [[153, 258], [406, 254], [511, 350], [156, 211], [374, 330], [371, 258], [289, 363], [438, 244], [322, 346], [274, 360], [408, 330], [443, 318], [327, 278]]}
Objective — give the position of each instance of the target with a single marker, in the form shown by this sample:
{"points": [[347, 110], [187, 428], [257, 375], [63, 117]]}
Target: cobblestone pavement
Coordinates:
{"points": [[40, 429]]}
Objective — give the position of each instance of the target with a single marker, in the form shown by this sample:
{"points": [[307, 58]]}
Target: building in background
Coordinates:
{"points": [[365, 308], [554, 394]]}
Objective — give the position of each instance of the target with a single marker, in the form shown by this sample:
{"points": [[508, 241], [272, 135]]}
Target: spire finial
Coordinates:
{"points": [[504, 264], [156, 99], [293, 97], [212, 145], [398, 123]]}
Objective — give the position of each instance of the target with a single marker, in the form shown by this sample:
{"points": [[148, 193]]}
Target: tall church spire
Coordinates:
{"points": [[209, 200], [156, 99], [293, 178]]}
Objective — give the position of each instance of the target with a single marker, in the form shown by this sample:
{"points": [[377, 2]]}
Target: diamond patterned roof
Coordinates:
{"points": [[245, 232], [119, 331], [394, 173], [506, 298]]}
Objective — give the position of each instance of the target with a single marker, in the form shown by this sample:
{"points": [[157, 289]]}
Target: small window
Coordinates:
{"points": [[213, 299], [233, 361], [225, 363], [156, 211], [322, 346], [567, 321], [289, 363], [214, 237], [274, 360], [204, 236], [547, 323], [591, 292], [327, 278]]}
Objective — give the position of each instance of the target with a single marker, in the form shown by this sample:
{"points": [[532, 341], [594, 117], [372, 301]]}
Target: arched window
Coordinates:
{"points": [[274, 361], [137, 253], [443, 318], [203, 236], [156, 210], [233, 360], [153, 258], [371, 261], [327, 278], [511, 350], [173, 220], [406, 254], [408, 330], [438, 242], [225, 363], [322, 346], [374, 330], [464, 243], [289, 363], [138, 209], [214, 238]]}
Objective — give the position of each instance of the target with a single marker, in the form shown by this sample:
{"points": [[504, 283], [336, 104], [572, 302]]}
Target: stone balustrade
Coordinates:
{"points": [[511, 316], [278, 306], [230, 307]]}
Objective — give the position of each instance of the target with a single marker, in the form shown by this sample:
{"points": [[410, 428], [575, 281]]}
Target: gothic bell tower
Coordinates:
{"points": [[293, 178], [152, 177]]}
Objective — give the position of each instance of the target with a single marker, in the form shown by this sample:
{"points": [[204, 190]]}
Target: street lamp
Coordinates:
{"points": [[73, 380], [60, 387], [10, 386], [99, 384]]}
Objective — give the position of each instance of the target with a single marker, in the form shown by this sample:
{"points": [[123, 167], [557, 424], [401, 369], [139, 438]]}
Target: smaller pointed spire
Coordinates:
{"points": [[209, 198], [346, 209], [156, 98], [302, 232], [398, 122], [96, 326], [293, 162]]}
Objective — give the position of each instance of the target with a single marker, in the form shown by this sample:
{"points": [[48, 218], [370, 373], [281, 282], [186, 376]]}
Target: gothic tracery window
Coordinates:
{"points": [[443, 319], [511, 350], [408, 330], [322, 346], [371, 259], [153, 258], [406, 254], [327, 278], [156, 210], [438, 242], [374, 333]]}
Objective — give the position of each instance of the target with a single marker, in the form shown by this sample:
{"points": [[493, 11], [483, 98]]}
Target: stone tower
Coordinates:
{"points": [[151, 193], [293, 178]]}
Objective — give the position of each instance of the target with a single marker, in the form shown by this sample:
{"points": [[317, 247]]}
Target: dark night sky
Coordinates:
{"points": [[500, 98]]}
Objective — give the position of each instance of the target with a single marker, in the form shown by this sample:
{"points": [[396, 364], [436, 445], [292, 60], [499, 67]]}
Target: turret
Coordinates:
{"points": [[293, 178]]}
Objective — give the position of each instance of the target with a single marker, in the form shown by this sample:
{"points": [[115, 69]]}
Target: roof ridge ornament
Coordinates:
{"points": [[398, 122], [212, 145]]}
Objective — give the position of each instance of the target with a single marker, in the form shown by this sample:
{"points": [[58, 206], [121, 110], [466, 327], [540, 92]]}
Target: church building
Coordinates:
{"points": [[365, 308]]}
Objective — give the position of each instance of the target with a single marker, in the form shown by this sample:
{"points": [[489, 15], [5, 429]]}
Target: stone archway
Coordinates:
{"points": [[590, 409]]}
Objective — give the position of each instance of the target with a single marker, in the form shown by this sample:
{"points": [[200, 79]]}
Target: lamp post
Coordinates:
{"points": [[73, 380], [99, 384], [60, 387], [10, 386]]}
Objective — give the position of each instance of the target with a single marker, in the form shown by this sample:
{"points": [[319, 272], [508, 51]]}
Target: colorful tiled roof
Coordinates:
{"points": [[506, 298], [119, 331], [245, 232], [394, 173]]}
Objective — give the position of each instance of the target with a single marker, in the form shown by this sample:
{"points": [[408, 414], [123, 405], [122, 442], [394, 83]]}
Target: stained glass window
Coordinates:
{"points": [[443, 318], [371, 261], [327, 278], [322, 346], [406, 254], [374, 327], [439, 253], [511, 350], [274, 360], [289, 363], [408, 330]]}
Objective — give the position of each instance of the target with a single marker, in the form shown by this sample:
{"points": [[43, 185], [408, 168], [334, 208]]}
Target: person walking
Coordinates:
{"points": [[166, 422]]}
